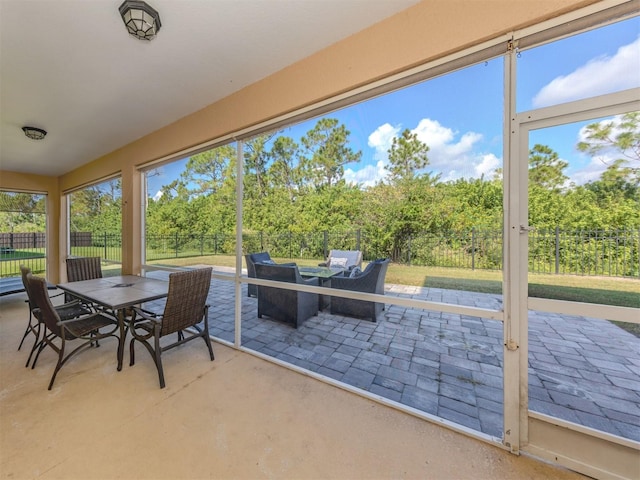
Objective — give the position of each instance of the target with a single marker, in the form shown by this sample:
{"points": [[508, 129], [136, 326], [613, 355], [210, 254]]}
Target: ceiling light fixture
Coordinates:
{"points": [[34, 133], [142, 21]]}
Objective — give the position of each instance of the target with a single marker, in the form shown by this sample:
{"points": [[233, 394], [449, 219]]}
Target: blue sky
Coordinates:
{"points": [[459, 115]]}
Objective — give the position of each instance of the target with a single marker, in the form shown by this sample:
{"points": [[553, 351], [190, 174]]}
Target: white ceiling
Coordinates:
{"points": [[70, 67]]}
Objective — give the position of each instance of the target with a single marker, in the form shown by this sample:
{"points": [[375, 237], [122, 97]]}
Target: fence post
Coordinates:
{"points": [[409, 251], [105, 246], [358, 233], [201, 244], [176, 244], [595, 251], [473, 248], [557, 249], [290, 244], [325, 244]]}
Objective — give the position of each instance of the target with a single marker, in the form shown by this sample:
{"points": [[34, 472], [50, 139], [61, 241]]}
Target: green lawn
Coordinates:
{"points": [[10, 262], [605, 290], [624, 292]]}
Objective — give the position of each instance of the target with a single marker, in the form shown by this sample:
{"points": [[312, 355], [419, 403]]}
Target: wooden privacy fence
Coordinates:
{"points": [[15, 241]]}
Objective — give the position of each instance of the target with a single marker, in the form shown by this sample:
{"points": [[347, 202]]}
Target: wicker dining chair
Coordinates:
{"points": [[186, 307], [83, 268], [88, 329], [65, 311]]}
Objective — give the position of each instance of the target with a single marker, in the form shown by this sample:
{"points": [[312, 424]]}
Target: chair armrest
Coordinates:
{"points": [[358, 284], [63, 323], [78, 306], [144, 314], [343, 282]]}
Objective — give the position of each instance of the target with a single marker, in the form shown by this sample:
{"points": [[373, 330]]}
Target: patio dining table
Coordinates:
{"points": [[117, 294], [324, 274]]}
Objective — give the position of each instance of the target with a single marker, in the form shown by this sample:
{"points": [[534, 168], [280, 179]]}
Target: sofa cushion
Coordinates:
{"points": [[338, 262], [355, 272]]}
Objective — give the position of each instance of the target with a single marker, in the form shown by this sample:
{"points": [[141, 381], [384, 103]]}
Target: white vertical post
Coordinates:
{"points": [[514, 277], [238, 285]]}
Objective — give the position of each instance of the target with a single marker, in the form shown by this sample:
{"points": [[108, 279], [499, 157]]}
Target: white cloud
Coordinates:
{"points": [[488, 166], [451, 157], [589, 173], [433, 134], [158, 195], [367, 176], [380, 140], [599, 76], [449, 154]]}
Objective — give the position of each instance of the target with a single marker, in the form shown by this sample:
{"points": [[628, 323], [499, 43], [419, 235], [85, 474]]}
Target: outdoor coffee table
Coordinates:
{"points": [[324, 274]]}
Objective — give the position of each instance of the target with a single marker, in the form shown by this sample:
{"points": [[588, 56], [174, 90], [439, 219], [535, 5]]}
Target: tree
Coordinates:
{"points": [[619, 136], [284, 170], [207, 170], [617, 142], [22, 212], [97, 208], [546, 168], [617, 180], [256, 161], [407, 156], [327, 152]]}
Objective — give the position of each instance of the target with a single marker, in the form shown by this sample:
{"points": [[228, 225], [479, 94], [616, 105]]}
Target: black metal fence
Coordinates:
{"points": [[22, 248], [586, 252], [611, 253], [108, 246]]}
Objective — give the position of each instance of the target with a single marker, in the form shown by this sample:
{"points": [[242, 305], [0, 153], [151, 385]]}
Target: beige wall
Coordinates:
{"points": [[431, 29], [422, 33]]}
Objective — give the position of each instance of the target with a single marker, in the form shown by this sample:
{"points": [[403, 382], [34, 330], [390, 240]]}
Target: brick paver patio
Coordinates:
{"points": [[580, 369]]}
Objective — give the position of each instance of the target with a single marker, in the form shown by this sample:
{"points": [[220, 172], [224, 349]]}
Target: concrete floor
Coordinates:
{"points": [[237, 417]]}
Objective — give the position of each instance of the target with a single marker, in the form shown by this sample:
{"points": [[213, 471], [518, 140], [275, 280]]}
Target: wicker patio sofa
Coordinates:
{"points": [[370, 280], [288, 306]]}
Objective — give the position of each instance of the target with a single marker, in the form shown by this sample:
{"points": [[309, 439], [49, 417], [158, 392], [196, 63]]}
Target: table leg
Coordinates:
{"points": [[123, 332], [324, 301]]}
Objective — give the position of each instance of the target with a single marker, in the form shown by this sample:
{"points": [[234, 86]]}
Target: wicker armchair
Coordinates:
{"points": [[186, 308], [371, 280], [251, 259], [65, 312], [289, 306], [87, 328], [343, 259]]}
